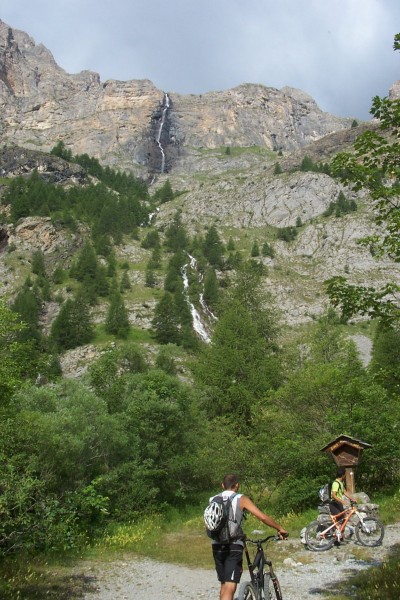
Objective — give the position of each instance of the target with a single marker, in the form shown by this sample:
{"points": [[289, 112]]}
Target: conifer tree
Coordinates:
{"points": [[72, 327], [211, 288], [176, 237], [117, 321], [214, 248], [125, 282], [165, 321], [38, 267]]}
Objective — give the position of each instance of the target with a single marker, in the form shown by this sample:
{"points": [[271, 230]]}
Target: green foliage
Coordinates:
{"points": [[73, 326], [107, 374], [374, 166], [307, 164], [125, 284], [53, 445], [386, 357], [164, 193], [17, 358], [267, 250], [277, 169], [240, 365], [328, 393], [354, 299], [255, 249], [342, 206], [165, 321], [287, 234], [151, 239], [38, 267], [176, 237], [211, 288], [90, 273], [213, 248], [165, 359], [98, 206], [117, 320], [230, 245]]}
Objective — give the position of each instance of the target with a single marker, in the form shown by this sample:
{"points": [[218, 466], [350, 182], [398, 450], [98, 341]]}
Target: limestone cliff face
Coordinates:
{"points": [[117, 121]]}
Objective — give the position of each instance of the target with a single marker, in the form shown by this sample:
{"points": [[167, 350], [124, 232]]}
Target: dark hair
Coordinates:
{"points": [[341, 471], [230, 481]]}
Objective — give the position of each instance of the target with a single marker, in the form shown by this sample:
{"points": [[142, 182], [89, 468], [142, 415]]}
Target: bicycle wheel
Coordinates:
{"points": [[314, 540], [247, 591], [272, 589], [370, 532]]}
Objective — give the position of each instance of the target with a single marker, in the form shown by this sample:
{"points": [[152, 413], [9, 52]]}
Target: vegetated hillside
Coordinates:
{"points": [[290, 222], [252, 162]]}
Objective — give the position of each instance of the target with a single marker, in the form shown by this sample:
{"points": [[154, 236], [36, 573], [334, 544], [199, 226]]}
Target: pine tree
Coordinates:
{"points": [[211, 288], [176, 237], [165, 321], [214, 248], [117, 321], [125, 282], [72, 327], [38, 267]]}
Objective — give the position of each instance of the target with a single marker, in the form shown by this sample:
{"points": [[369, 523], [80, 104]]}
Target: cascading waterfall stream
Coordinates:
{"points": [[198, 324], [158, 138]]}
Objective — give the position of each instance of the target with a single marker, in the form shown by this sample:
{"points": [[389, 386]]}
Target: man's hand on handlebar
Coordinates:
{"points": [[283, 534]]}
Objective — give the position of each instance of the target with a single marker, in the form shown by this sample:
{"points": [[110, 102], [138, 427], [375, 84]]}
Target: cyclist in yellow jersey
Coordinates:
{"points": [[338, 491]]}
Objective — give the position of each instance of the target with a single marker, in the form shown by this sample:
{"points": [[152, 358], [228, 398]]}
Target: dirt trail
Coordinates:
{"points": [[302, 574]]}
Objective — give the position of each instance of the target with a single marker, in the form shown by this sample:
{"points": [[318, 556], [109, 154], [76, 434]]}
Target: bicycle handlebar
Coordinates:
{"points": [[276, 538]]}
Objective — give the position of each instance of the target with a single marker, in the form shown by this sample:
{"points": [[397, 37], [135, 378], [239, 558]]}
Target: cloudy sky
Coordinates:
{"points": [[338, 51]]}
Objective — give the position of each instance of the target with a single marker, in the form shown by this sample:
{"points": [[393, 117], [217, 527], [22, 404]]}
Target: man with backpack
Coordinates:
{"points": [[227, 541], [337, 493]]}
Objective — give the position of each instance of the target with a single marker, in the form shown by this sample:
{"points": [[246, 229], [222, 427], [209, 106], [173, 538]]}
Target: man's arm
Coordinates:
{"points": [[246, 503], [349, 496]]}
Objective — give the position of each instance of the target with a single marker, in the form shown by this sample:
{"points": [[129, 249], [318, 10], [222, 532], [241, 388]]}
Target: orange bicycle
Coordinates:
{"points": [[319, 537]]}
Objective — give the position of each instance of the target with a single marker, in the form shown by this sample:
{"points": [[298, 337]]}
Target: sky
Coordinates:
{"points": [[340, 52]]}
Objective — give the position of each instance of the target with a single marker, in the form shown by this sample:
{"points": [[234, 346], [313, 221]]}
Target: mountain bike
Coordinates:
{"points": [[264, 585], [319, 537]]}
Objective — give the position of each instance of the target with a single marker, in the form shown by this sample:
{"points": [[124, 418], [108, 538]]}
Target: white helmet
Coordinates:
{"points": [[213, 515]]}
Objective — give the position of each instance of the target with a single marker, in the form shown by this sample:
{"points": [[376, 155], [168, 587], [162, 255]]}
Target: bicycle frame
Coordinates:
{"points": [[256, 567], [340, 527]]}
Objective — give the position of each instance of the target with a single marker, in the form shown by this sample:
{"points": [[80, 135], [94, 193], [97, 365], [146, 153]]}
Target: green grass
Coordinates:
{"points": [[102, 338]]}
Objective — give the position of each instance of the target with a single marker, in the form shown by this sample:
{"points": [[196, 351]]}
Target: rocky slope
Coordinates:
{"points": [[220, 150]]}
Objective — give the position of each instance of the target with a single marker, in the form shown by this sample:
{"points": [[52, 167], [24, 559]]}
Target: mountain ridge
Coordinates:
{"points": [[116, 121]]}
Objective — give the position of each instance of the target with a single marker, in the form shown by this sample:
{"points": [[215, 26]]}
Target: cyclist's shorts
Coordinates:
{"points": [[228, 560]]}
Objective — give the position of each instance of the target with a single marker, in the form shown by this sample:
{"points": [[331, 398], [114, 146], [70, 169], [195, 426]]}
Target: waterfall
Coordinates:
{"points": [[158, 138], [198, 325]]}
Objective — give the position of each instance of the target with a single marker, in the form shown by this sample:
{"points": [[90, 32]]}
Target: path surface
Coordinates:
{"points": [[302, 574]]}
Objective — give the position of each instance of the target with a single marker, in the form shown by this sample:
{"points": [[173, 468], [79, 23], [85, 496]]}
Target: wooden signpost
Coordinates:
{"points": [[346, 452]]}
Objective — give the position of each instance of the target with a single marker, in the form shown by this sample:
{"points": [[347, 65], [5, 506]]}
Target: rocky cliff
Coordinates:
{"points": [[118, 121]]}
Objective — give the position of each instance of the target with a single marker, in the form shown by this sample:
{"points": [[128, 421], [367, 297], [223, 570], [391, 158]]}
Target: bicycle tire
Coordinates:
{"points": [[247, 591], [370, 532], [313, 541], [272, 589]]}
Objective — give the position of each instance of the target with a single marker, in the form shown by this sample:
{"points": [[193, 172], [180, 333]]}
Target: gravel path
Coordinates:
{"points": [[302, 574]]}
